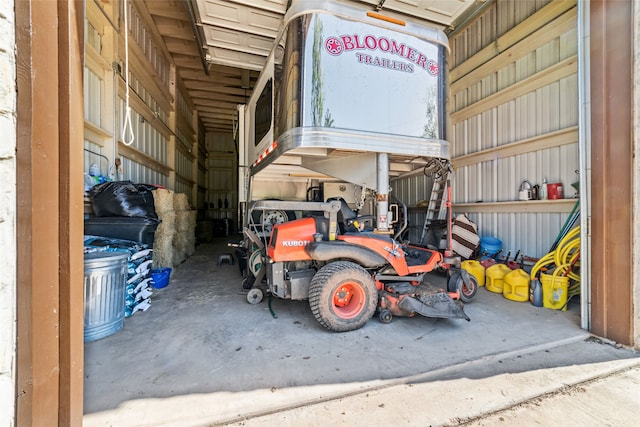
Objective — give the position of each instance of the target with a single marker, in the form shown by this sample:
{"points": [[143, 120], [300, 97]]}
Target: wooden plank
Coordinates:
{"points": [[184, 179], [143, 109], [142, 68], [213, 89], [168, 9], [220, 115], [207, 99], [536, 143], [186, 61], [220, 105], [181, 46], [191, 81], [140, 157], [554, 29], [185, 128], [95, 61], [176, 32], [526, 27], [540, 79], [613, 224], [518, 206], [185, 92], [150, 26]]}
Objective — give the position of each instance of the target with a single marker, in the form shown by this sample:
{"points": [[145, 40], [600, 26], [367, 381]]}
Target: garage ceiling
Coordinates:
{"points": [[219, 46]]}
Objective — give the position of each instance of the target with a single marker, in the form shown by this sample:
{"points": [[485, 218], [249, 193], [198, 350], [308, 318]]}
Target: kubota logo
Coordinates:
{"points": [[294, 243]]}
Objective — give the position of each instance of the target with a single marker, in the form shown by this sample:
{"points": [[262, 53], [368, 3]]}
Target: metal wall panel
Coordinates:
{"points": [[518, 116]]}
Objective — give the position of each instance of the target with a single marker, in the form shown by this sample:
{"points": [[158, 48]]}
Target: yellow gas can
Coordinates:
{"points": [[516, 286], [495, 277], [474, 268], [554, 291]]}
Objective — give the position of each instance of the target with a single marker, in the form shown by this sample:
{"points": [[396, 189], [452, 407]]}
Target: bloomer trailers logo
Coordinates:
{"points": [[346, 43]]}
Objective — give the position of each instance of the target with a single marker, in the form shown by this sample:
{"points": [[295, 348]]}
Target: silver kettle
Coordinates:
{"points": [[524, 193]]}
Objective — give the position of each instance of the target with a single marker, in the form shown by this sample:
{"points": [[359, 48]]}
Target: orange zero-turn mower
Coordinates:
{"points": [[348, 276]]}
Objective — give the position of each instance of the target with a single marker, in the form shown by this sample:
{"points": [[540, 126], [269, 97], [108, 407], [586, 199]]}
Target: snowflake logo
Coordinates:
{"points": [[333, 46]]}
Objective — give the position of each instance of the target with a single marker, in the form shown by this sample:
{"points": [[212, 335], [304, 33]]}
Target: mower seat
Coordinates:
{"points": [[346, 216]]}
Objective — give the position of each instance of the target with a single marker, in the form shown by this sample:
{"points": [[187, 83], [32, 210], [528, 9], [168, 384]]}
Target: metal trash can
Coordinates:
{"points": [[105, 277]]}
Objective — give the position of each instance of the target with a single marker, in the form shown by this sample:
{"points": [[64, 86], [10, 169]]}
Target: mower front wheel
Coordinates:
{"points": [[343, 296], [385, 316], [255, 296], [467, 290]]}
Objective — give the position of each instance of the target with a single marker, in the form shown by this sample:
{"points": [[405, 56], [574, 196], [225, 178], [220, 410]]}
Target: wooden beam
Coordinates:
{"points": [[542, 78], [140, 157], [174, 28], [144, 71], [190, 79], [182, 46], [173, 10], [71, 270], [213, 89], [143, 109], [529, 25], [206, 98], [554, 29], [536, 143], [149, 25], [219, 115], [187, 61], [518, 206]]}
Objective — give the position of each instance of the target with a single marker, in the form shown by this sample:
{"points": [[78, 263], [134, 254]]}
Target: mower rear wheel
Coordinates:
{"points": [[343, 296]]}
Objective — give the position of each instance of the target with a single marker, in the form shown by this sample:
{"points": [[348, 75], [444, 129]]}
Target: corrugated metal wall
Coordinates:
{"points": [[222, 166], [513, 117]]}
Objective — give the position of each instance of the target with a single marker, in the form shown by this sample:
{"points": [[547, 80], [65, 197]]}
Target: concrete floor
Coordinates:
{"points": [[202, 355]]}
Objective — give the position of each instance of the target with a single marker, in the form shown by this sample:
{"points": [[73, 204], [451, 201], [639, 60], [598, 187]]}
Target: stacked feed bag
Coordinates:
{"points": [[175, 236], [165, 233], [184, 241], [138, 286]]}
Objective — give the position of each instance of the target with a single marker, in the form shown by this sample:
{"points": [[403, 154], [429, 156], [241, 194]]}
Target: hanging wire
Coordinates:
{"points": [[127, 129]]}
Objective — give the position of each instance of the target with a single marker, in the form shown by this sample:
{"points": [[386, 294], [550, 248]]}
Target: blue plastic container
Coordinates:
{"points": [[490, 245], [160, 277]]}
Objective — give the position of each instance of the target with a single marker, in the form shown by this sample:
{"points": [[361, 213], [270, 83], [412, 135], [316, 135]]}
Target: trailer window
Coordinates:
{"points": [[263, 113]]}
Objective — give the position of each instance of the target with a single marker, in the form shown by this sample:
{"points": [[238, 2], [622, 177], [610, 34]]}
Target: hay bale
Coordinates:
{"points": [[163, 253], [163, 200], [191, 247], [168, 225], [185, 239], [179, 249], [180, 202], [186, 221]]}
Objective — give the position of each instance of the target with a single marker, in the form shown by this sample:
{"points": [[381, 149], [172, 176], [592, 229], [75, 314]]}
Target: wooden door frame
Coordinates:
{"points": [[611, 88], [50, 120]]}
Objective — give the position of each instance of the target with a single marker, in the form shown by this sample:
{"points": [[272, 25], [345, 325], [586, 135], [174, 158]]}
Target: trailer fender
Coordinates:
{"points": [[327, 251]]}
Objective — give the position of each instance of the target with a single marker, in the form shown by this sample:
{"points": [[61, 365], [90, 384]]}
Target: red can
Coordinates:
{"points": [[555, 191]]}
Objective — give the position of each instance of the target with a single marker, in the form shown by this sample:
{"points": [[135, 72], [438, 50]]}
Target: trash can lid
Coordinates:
{"points": [[106, 254]]}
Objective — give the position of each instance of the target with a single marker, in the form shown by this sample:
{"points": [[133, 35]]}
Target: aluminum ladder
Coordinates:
{"points": [[437, 207]]}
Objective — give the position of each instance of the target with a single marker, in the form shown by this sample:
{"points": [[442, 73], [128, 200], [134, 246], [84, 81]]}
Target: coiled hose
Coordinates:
{"points": [[564, 260]]}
